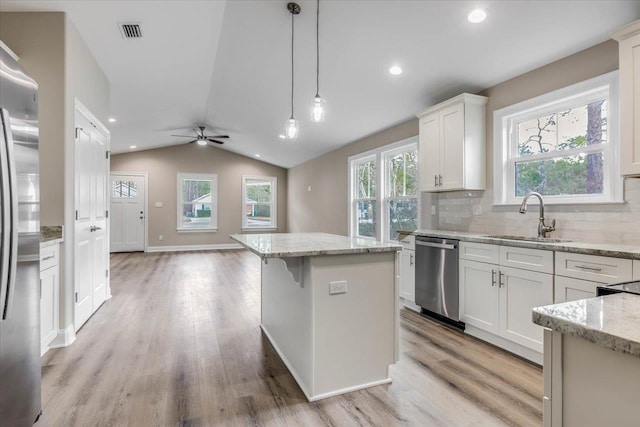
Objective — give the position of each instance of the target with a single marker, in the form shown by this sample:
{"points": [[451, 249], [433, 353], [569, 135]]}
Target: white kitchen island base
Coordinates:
{"points": [[332, 344], [334, 337]]}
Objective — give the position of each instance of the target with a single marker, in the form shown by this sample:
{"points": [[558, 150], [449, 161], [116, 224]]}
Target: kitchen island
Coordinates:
{"points": [[329, 308], [591, 361]]}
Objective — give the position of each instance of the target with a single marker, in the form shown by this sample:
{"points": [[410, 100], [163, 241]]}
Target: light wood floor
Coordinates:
{"points": [[179, 344]]}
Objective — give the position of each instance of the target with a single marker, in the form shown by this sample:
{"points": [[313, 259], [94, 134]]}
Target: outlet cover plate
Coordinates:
{"points": [[338, 287]]}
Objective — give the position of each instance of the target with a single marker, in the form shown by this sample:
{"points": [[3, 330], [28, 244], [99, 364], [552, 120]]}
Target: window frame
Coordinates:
{"points": [[380, 155], [274, 202], [182, 176], [505, 122]]}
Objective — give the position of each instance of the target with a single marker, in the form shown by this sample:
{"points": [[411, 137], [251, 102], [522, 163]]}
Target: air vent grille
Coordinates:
{"points": [[130, 30]]}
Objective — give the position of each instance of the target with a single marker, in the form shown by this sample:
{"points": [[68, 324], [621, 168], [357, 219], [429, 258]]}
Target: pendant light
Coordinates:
{"points": [[291, 129], [318, 105]]}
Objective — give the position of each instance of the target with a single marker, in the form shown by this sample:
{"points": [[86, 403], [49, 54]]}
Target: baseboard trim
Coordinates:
{"points": [[183, 248], [510, 346], [64, 338]]}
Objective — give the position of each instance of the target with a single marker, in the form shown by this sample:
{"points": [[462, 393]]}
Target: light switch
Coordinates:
{"points": [[309, 188], [159, 204]]}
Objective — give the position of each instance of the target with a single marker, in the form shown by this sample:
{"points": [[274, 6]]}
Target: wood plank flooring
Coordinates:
{"points": [[179, 344]]}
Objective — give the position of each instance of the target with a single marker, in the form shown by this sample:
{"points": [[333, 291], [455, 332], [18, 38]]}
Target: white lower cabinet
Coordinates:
{"points": [[408, 275], [572, 289], [636, 269], [498, 299], [479, 299], [49, 295]]}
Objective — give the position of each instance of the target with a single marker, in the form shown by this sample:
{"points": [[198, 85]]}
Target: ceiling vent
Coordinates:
{"points": [[130, 30]]}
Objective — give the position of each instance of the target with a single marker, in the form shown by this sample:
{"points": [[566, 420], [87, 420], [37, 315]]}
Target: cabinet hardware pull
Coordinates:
{"points": [[435, 180], [493, 277], [48, 257], [440, 180], [410, 259], [501, 280], [586, 267]]}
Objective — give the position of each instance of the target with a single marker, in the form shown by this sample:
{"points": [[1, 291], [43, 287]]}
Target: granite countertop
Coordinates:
{"points": [[612, 321], [280, 245], [50, 233], [612, 250]]}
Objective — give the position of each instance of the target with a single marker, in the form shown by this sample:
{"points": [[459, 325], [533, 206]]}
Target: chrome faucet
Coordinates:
{"points": [[543, 229]]}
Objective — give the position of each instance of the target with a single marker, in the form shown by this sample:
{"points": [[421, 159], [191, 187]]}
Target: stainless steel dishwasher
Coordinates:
{"points": [[437, 290]]}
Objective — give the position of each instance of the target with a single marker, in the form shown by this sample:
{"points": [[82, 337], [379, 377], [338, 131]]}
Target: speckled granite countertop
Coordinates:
{"points": [[281, 245], [49, 233], [612, 321], [618, 251]]}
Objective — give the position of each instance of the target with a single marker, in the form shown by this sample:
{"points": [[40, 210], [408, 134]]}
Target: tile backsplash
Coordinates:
{"points": [[473, 211]]}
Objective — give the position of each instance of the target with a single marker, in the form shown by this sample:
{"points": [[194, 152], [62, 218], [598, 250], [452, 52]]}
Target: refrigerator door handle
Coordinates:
{"points": [[5, 217], [10, 250]]}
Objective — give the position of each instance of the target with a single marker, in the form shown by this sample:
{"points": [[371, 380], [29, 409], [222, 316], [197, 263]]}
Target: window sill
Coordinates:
{"points": [[197, 230], [259, 228]]}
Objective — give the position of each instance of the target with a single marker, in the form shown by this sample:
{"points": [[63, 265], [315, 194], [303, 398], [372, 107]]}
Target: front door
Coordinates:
{"points": [[127, 213], [91, 251]]}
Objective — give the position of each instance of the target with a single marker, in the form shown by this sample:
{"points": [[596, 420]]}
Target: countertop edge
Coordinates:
{"points": [[586, 248], [598, 337], [52, 242]]}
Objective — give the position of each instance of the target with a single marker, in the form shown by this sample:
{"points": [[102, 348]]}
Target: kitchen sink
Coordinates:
{"points": [[528, 239]]}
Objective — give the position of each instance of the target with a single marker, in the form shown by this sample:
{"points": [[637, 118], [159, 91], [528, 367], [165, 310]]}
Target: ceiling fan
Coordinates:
{"points": [[203, 139]]}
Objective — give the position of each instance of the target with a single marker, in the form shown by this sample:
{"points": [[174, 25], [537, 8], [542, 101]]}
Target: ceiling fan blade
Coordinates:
{"points": [[218, 136], [191, 142], [217, 142], [183, 136]]}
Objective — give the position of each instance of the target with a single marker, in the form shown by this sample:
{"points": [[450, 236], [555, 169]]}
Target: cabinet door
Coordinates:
{"points": [[636, 269], [429, 152], [48, 305], [479, 295], [452, 147], [630, 104], [520, 292], [408, 275], [570, 289]]}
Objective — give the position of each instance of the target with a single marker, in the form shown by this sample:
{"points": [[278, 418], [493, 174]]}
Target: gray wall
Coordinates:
{"points": [[163, 165]]}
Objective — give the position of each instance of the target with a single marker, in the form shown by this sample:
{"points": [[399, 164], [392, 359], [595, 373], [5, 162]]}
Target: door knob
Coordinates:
{"points": [[94, 228]]}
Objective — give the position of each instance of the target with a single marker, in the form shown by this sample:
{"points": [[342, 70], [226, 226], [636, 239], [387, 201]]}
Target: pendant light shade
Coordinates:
{"points": [[318, 105], [291, 127]]}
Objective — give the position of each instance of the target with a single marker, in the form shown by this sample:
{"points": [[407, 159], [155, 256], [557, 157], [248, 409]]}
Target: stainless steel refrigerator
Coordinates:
{"points": [[19, 246]]}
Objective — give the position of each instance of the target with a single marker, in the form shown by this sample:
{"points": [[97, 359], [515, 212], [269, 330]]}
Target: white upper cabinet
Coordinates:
{"points": [[452, 145], [629, 44]]}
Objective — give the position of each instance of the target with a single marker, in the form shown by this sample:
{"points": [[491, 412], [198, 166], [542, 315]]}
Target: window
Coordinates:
{"points": [[197, 202], [383, 191], [124, 190], [563, 144], [259, 202]]}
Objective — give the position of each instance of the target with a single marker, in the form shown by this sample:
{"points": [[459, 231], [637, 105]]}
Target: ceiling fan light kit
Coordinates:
{"points": [[202, 139]]}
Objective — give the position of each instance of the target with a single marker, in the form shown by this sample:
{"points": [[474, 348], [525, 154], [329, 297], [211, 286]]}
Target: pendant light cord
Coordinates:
{"points": [[292, 35], [317, 48]]}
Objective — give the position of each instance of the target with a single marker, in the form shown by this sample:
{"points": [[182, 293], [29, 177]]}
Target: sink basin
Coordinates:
{"points": [[528, 239]]}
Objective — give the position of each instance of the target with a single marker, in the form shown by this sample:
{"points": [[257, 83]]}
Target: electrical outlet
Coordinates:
{"points": [[161, 237], [309, 188], [433, 210], [338, 287], [159, 204], [477, 209]]}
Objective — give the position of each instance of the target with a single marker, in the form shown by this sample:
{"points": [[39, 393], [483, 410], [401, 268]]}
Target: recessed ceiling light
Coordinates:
{"points": [[257, 155], [133, 146], [281, 136], [395, 70], [477, 15], [112, 120]]}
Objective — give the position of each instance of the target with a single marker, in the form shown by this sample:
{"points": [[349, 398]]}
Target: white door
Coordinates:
{"points": [[479, 295], [408, 275], [90, 246], [520, 292], [128, 214]]}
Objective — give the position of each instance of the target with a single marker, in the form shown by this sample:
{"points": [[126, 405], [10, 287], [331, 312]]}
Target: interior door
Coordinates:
{"points": [[90, 246], [127, 213]]}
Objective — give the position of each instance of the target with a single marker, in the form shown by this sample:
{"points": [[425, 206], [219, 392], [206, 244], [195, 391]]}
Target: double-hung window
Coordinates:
{"points": [[563, 145], [383, 191], [259, 202], [197, 202]]}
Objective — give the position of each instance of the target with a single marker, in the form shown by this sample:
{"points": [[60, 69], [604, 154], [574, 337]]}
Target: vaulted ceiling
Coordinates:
{"points": [[226, 64]]}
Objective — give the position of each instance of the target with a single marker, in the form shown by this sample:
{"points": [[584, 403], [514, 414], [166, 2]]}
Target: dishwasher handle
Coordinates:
{"points": [[435, 245]]}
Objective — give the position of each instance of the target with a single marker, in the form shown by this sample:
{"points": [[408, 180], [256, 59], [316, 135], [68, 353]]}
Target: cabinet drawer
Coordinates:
{"points": [[527, 259], [482, 252], [595, 268], [408, 241], [48, 257]]}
